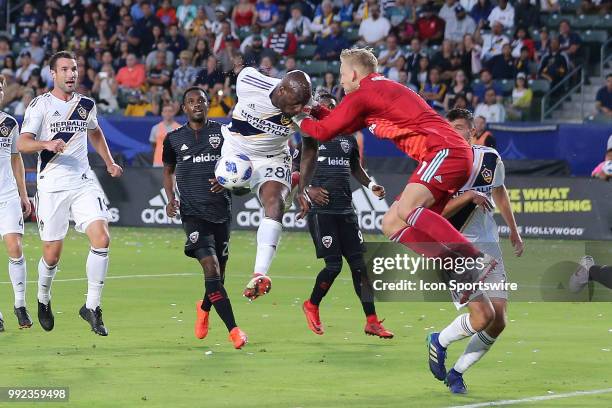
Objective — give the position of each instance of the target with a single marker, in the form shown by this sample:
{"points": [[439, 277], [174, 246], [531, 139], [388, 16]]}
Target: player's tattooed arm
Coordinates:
{"points": [[501, 199], [98, 141], [308, 163], [173, 205], [27, 143]]}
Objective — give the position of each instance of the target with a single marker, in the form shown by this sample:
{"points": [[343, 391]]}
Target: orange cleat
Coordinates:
{"points": [[201, 324], [312, 317], [375, 328], [238, 338], [258, 286]]}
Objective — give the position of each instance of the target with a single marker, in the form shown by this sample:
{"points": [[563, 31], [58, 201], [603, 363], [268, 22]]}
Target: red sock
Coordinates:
{"points": [[425, 226], [372, 318]]}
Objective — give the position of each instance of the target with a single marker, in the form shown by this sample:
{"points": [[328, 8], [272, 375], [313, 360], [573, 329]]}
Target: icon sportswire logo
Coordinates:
{"points": [[156, 213]]}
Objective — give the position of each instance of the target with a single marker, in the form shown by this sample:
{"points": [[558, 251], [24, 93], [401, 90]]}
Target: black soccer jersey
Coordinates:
{"points": [[337, 158], [195, 153]]}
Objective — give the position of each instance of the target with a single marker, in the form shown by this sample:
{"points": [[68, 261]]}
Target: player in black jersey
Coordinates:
{"points": [[190, 154], [334, 227]]}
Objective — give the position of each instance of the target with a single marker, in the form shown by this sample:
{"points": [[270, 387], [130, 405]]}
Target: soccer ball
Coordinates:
{"points": [[234, 172], [607, 168]]}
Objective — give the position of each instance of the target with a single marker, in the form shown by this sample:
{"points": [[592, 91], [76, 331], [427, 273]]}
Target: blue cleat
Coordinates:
{"points": [[454, 382], [437, 356]]}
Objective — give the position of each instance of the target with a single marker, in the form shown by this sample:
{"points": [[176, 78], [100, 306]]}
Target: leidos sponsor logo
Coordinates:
{"points": [[157, 213], [253, 213], [370, 209], [203, 158], [334, 161]]}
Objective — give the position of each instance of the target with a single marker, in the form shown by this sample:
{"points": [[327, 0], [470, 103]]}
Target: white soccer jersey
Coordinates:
{"points": [[258, 128], [9, 131], [475, 223], [49, 118]]}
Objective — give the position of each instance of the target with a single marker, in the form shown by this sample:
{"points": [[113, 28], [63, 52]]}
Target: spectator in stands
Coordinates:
{"points": [[522, 39], [480, 12], [186, 13], [201, 53], [26, 98], [5, 49], [459, 26], [429, 26], [10, 64], [503, 13], [461, 102], [221, 102], [542, 46], [232, 76], [393, 72], [290, 65], [221, 17], [402, 13], [419, 78], [493, 42], [144, 28], [442, 60], [522, 97], [138, 105], [184, 75], [176, 40], [36, 51], [227, 56], [255, 52], [491, 109], [365, 10], [224, 37], [166, 13], [470, 59], [105, 87], [330, 47], [298, 24], [244, 14], [502, 66], [526, 14], [161, 46], [524, 64], [211, 75], [281, 42], [412, 58], [598, 171], [390, 53], [159, 131], [486, 83], [594, 7], [459, 87], [26, 68], [554, 65], [321, 25], [569, 41], [550, 6], [160, 76], [201, 25], [434, 90], [267, 13], [329, 85], [26, 22], [603, 100], [374, 29], [482, 137], [266, 66], [248, 41], [346, 12], [132, 76]]}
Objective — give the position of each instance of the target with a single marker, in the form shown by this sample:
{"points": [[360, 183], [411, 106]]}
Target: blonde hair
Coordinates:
{"points": [[361, 57]]}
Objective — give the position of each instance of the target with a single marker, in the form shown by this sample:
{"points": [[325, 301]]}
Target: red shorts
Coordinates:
{"points": [[444, 172]]}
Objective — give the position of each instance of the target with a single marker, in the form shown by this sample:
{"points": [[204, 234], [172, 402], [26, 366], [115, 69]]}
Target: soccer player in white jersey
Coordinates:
{"points": [[58, 124], [14, 207], [260, 130], [471, 212]]}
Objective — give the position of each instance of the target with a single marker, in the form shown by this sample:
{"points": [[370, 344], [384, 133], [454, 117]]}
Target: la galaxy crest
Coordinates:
{"points": [[4, 131], [82, 112], [487, 175], [285, 120]]}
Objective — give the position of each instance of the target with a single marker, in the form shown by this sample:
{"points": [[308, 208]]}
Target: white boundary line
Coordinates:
{"points": [[535, 399]]}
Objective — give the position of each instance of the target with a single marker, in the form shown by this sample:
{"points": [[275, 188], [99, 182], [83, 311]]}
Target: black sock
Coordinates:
{"points": [[362, 286], [217, 296], [601, 274], [325, 278], [206, 304]]}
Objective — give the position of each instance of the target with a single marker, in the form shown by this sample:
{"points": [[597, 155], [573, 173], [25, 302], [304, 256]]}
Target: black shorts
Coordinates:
{"points": [[212, 238], [335, 234]]}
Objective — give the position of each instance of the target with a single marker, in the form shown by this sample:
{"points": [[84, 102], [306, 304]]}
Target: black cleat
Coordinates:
{"points": [[94, 318], [1, 325], [23, 317], [45, 316]]}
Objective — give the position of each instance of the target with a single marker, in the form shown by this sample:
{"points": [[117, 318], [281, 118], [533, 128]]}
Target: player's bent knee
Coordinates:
{"points": [[483, 316], [391, 223], [13, 245]]}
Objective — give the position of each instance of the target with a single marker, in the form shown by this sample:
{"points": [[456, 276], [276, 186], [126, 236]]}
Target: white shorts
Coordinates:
{"points": [[11, 217], [54, 210], [498, 275], [265, 168]]}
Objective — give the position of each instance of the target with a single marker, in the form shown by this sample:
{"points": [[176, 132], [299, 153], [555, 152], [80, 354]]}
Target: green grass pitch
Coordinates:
{"points": [[152, 359]]}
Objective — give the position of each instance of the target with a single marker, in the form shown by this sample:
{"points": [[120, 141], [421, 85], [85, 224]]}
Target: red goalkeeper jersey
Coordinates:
{"points": [[390, 111]]}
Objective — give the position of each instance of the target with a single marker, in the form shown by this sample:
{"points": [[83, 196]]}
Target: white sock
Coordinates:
{"points": [[268, 237], [478, 346], [46, 274], [17, 272], [97, 266], [459, 329]]}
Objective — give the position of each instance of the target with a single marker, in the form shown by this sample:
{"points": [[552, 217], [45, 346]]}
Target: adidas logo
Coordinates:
{"points": [[322, 147], [56, 114], [253, 213], [157, 213], [184, 147]]}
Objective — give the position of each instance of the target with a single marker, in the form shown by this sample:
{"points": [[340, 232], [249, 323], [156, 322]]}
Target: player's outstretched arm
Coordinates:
{"points": [[308, 164], [98, 141], [19, 174], [364, 179], [27, 143], [501, 199], [346, 118]]}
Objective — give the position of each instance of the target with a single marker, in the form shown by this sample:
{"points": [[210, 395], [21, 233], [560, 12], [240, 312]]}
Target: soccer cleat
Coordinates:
{"points": [[580, 278], [454, 382], [376, 328], [238, 338], [94, 318], [23, 318], [45, 316], [437, 356], [312, 317], [258, 286], [201, 324]]}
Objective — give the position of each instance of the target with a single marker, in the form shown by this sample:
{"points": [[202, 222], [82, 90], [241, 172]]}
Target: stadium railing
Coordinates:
{"points": [[565, 82], [603, 59]]}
